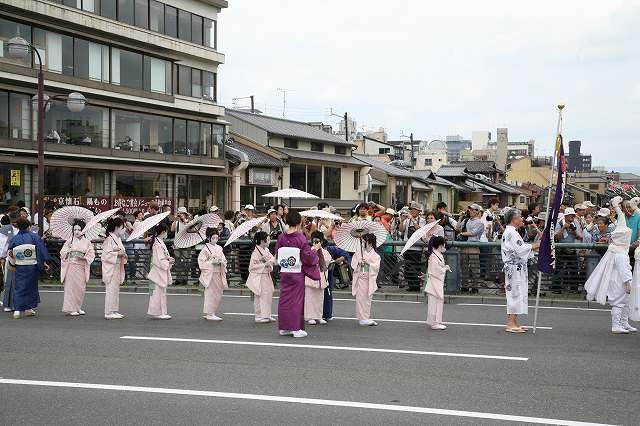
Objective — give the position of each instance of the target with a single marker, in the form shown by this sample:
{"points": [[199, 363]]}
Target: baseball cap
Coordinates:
{"points": [[475, 206], [569, 211], [182, 210], [249, 207], [213, 209], [579, 207], [604, 212], [271, 211], [390, 211]]}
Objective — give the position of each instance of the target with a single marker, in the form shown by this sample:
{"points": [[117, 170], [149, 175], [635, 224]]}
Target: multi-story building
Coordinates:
{"points": [[577, 162], [431, 156], [455, 146], [152, 129]]}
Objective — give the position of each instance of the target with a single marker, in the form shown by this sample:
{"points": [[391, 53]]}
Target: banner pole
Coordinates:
{"points": [[546, 219]]}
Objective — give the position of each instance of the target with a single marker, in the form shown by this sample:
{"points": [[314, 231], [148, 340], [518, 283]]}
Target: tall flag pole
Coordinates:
{"points": [[547, 255]]}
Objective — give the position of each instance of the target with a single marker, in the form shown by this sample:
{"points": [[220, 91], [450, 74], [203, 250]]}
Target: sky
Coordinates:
{"points": [[443, 68]]}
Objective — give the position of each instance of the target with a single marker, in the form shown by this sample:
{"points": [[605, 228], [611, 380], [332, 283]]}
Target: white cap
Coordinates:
{"points": [[588, 204], [390, 211], [182, 210], [249, 207], [213, 209], [568, 211], [579, 207], [475, 206], [604, 212], [271, 211]]}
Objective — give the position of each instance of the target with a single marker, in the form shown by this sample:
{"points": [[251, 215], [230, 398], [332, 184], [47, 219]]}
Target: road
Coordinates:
{"points": [[85, 370]]}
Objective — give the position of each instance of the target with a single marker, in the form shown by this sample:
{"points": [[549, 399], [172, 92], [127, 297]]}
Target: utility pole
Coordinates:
{"points": [[411, 139], [253, 109], [346, 123], [284, 100]]}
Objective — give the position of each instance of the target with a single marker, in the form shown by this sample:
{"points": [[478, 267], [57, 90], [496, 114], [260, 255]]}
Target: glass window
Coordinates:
{"points": [[356, 179], [184, 25], [108, 8], [4, 115], [56, 51], [81, 58], [89, 127], [209, 33], [341, 150], [142, 13], [217, 150], [200, 193], [72, 3], [63, 181], [13, 190], [246, 195], [89, 5], [196, 29], [184, 80], [155, 75], [136, 184], [196, 83], [19, 116], [126, 11], [297, 177], [208, 85], [156, 16], [314, 180], [180, 136], [290, 143], [264, 203], [134, 131], [126, 68], [332, 182], [8, 30], [317, 147], [193, 138], [170, 21], [205, 138]]}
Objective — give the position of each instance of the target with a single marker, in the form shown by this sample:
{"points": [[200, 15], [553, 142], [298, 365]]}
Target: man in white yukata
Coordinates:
{"points": [[515, 254]]}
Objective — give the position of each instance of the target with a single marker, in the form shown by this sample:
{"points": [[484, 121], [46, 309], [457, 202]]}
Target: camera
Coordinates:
{"points": [[316, 241], [489, 218], [275, 234], [572, 226]]}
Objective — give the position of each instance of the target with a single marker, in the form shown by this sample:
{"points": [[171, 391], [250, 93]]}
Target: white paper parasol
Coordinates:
{"points": [[196, 231], [62, 219], [321, 214], [349, 235], [243, 228], [147, 224], [425, 231], [97, 219], [290, 193]]}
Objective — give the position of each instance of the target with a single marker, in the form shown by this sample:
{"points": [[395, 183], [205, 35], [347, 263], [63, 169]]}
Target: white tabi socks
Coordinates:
{"points": [[616, 321]]}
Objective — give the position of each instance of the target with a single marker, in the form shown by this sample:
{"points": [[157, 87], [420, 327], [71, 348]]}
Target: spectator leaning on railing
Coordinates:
{"points": [[471, 229]]}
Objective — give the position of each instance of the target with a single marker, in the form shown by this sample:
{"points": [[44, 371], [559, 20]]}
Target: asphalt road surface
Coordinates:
{"points": [[85, 370]]}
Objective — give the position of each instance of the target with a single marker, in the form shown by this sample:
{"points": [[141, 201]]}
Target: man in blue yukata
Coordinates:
{"points": [[339, 256], [29, 255]]}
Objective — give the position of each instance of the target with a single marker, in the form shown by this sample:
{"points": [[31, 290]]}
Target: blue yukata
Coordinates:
{"points": [[25, 294], [327, 308]]}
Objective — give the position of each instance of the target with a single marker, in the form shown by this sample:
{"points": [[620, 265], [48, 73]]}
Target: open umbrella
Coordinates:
{"points": [[196, 231], [61, 224], [147, 224], [321, 214], [243, 228], [349, 235], [290, 193], [423, 232], [97, 219]]}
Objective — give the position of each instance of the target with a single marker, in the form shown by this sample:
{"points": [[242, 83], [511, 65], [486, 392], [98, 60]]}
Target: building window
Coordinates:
{"points": [[184, 25], [290, 143], [298, 177], [90, 60], [156, 16], [108, 8], [184, 80], [19, 116], [439, 197], [209, 85], [205, 139], [356, 179], [170, 21], [264, 203], [126, 68], [332, 182], [384, 150], [134, 131], [593, 186], [89, 127], [209, 33], [246, 195], [136, 184], [193, 138], [64, 181], [142, 13], [428, 162], [342, 150], [8, 30], [196, 83], [12, 183], [157, 75], [57, 52], [317, 146], [314, 180], [217, 140], [4, 115], [180, 136], [196, 29], [126, 11]]}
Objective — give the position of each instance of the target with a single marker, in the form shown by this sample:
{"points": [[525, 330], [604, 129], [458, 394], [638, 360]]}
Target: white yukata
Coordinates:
{"points": [[515, 254]]}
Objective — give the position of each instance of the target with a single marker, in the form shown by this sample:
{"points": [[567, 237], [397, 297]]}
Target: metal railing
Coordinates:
{"points": [[475, 267]]}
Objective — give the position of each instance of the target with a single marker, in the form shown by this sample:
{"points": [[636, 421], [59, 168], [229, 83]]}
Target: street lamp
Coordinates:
{"points": [[20, 48]]}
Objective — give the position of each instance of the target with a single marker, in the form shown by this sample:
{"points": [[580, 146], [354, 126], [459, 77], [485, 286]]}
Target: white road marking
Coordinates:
{"points": [[296, 400], [560, 308], [405, 321], [327, 347]]}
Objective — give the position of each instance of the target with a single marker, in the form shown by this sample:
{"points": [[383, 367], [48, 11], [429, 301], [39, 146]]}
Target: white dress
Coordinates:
{"points": [[515, 254]]}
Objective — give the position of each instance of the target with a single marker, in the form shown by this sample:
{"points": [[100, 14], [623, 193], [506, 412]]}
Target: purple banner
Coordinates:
{"points": [[547, 256]]}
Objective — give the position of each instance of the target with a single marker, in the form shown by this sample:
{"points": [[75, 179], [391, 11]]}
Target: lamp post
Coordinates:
{"points": [[18, 47]]}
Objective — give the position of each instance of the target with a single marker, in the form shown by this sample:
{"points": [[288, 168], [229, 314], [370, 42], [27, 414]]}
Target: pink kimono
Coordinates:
{"points": [[436, 271], [260, 282], [160, 277], [76, 257], [314, 291], [213, 276], [364, 283], [113, 262]]}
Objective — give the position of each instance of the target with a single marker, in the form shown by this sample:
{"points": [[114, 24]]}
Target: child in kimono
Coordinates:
{"points": [[259, 281], [159, 274], [314, 289], [434, 287], [113, 259], [213, 274], [76, 257], [365, 264]]}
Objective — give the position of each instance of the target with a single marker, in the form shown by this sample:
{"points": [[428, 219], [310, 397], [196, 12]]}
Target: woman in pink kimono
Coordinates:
{"points": [[76, 257], [213, 274], [436, 271], [314, 289], [259, 281], [159, 274], [366, 265], [113, 259]]}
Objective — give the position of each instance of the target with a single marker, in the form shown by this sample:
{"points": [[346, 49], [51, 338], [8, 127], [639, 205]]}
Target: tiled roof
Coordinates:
{"points": [[319, 156], [452, 170], [287, 128], [256, 157], [480, 166], [387, 168]]}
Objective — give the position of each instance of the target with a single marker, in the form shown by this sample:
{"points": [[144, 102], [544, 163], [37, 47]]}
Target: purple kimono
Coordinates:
{"points": [[291, 302]]}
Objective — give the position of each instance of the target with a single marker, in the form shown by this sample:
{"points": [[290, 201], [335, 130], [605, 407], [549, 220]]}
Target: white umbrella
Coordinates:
{"points": [[147, 224], [423, 232], [290, 193], [243, 228], [349, 235], [61, 224], [321, 214], [97, 219], [196, 231]]}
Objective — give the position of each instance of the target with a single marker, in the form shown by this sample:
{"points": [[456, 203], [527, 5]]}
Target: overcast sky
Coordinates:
{"points": [[438, 68]]}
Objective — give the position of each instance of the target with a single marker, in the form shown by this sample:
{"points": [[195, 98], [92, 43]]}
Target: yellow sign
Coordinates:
{"points": [[15, 177]]}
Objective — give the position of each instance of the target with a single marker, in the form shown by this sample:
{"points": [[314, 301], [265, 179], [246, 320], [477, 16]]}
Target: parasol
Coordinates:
{"points": [[349, 235], [147, 224], [423, 232], [243, 228], [97, 219], [321, 214], [196, 231], [290, 193], [62, 220]]}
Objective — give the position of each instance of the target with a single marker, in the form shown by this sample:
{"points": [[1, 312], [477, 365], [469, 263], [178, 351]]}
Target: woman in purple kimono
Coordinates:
{"points": [[296, 260]]}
